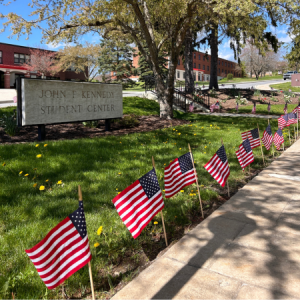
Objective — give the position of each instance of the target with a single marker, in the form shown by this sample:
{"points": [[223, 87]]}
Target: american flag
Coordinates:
{"points": [[267, 138], [218, 166], [63, 251], [297, 108], [292, 119], [254, 108], [269, 107], [253, 137], [237, 107], [217, 105], [245, 154], [282, 121], [139, 203], [278, 138], [285, 109], [179, 174]]}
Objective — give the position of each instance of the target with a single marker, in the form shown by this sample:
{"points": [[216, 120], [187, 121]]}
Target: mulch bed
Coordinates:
{"points": [[266, 96], [76, 130]]}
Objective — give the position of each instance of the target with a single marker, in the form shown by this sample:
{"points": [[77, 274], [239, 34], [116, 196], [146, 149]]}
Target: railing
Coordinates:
{"points": [[180, 95]]}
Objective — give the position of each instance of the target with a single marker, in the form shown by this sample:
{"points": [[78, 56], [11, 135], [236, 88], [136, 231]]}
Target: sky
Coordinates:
{"points": [[21, 7]]}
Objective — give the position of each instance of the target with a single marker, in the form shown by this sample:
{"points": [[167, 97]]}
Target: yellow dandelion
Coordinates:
{"points": [[210, 125], [179, 148], [119, 173], [191, 194], [202, 185], [99, 231], [179, 133], [20, 172], [204, 152], [3, 164], [119, 193], [163, 190], [164, 164], [42, 188], [173, 128], [37, 145], [195, 134], [181, 191], [39, 156], [155, 223], [59, 182], [116, 189], [120, 142], [205, 147], [47, 180], [26, 175], [35, 185], [96, 245], [45, 145]]}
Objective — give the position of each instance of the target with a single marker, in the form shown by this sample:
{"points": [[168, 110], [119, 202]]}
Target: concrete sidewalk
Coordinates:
{"points": [[247, 249]]}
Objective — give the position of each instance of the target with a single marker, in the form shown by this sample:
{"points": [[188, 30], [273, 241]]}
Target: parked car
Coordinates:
{"points": [[289, 74]]}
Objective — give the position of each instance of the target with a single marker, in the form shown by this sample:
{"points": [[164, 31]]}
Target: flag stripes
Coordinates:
{"points": [[267, 138], [218, 166], [63, 251], [139, 203], [176, 177], [278, 139], [245, 154], [253, 137]]}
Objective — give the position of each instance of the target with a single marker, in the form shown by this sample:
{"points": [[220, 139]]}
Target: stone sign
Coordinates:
{"points": [[50, 102]]}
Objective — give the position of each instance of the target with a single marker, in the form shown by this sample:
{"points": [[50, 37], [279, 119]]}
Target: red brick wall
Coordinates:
{"points": [[8, 52]]}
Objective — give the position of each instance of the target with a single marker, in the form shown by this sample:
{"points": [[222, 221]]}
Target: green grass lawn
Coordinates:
{"points": [[262, 109], [103, 167], [285, 87]]}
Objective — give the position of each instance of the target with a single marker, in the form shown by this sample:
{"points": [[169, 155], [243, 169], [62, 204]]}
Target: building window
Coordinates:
{"points": [[178, 62], [199, 66], [183, 75], [226, 72], [222, 70], [199, 56], [207, 68], [195, 65], [199, 76], [178, 74], [21, 58], [219, 70], [219, 62], [231, 65], [225, 64], [194, 55], [222, 63], [203, 57], [203, 67], [1, 62], [194, 76]]}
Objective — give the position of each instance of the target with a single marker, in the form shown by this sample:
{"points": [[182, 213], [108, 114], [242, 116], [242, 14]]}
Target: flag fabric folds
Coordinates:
{"points": [[245, 154], [297, 109], [292, 119], [267, 138], [63, 251], [179, 174], [253, 137], [282, 121], [269, 107], [278, 138], [218, 166], [285, 109], [139, 203]]}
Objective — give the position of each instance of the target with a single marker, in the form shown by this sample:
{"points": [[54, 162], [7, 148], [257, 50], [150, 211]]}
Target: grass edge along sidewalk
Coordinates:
{"points": [[61, 165]]}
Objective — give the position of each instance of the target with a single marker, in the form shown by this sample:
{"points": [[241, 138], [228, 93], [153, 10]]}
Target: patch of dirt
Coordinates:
{"points": [[228, 101], [76, 130]]}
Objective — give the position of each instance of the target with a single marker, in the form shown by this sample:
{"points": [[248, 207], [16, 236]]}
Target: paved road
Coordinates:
{"points": [[249, 248]]}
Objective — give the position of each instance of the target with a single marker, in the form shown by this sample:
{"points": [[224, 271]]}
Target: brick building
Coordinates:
{"points": [[201, 67], [11, 59]]}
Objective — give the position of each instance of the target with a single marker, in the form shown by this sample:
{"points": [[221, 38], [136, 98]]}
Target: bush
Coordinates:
{"points": [[128, 121], [9, 123], [229, 76], [90, 124]]}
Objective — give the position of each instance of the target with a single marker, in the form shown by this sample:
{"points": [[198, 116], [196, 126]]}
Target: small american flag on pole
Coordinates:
{"points": [[245, 154], [297, 109], [292, 119], [63, 251], [179, 174], [253, 137], [282, 121], [267, 138], [139, 203], [218, 166], [285, 109], [269, 107], [254, 108], [278, 138]]}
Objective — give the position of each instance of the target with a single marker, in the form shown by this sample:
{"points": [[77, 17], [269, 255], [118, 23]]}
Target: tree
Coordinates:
{"points": [[257, 62], [116, 56], [42, 62], [293, 56], [80, 58]]}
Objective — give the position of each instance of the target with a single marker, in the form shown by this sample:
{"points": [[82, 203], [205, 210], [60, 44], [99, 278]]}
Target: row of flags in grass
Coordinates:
{"points": [[65, 249]]}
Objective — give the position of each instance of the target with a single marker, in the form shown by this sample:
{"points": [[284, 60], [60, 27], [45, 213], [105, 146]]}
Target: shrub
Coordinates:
{"points": [[229, 76], [90, 124], [9, 123], [128, 121]]}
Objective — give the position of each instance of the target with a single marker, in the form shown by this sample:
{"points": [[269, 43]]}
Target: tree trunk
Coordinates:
{"points": [[213, 83], [188, 62]]}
